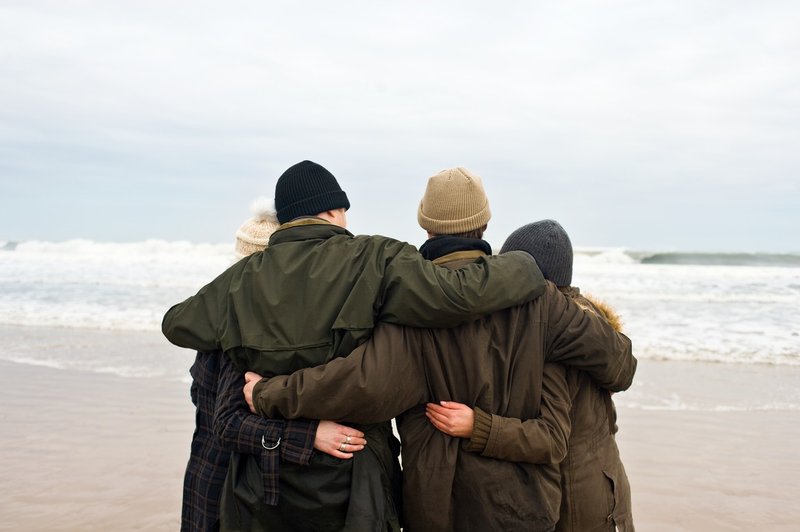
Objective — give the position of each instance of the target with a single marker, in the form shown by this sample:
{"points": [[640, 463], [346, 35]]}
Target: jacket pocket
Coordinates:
{"points": [[619, 514]]}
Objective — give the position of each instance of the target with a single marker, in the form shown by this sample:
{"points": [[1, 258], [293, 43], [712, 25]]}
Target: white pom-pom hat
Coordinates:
{"points": [[254, 234]]}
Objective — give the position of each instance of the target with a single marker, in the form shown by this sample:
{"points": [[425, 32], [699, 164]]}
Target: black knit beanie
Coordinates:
{"points": [[306, 189], [549, 244]]}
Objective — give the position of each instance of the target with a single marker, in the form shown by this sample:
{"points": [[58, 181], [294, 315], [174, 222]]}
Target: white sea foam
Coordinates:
{"points": [[742, 314]]}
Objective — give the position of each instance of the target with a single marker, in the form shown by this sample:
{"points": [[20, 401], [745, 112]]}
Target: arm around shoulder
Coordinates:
{"points": [[378, 380], [421, 294]]}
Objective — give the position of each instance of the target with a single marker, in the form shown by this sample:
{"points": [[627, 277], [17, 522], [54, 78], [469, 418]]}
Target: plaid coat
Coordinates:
{"points": [[217, 393]]}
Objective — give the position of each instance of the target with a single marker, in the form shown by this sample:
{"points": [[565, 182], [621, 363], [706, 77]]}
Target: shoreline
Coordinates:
{"points": [[90, 451]]}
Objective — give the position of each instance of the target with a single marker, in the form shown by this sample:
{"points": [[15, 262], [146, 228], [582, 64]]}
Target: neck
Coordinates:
{"points": [[439, 246]]}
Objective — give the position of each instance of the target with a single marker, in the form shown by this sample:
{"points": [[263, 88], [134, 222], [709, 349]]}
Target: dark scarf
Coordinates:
{"points": [[442, 245]]}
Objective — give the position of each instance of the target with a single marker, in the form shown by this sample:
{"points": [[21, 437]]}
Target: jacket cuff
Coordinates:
{"points": [[298, 441], [481, 428], [256, 389]]}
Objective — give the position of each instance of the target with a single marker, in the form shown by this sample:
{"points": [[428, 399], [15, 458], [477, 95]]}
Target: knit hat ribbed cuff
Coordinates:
{"points": [[314, 205], [458, 225]]}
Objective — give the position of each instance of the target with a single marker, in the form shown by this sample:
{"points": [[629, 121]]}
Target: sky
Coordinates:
{"points": [[659, 125]]}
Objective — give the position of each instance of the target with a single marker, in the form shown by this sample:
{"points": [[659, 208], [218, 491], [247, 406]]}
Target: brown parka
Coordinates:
{"points": [[494, 363], [595, 493]]}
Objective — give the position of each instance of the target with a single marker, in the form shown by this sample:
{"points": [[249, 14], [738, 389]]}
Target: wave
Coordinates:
{"points": [[84, 248], [155, 248], [625, 256], [725, 259]]}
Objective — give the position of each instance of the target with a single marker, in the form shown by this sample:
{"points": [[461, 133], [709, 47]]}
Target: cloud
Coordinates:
{"points": [[624, 100]]}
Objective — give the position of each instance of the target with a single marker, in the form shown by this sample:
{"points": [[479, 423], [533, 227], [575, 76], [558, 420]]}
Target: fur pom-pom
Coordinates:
{"points": [[263, 208]]}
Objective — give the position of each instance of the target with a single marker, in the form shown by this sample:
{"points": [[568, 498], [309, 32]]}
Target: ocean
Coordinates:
{"points": [[77, 304]]}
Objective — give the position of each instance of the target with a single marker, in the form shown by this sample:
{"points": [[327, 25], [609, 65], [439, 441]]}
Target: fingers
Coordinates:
{"points": [[440, 426], [441, 410], [339, 441], [351, 448], [454, 419], [252, 376], [347, 431], [439, 421], [248, 396], [442, 415], [342, 450], [449, 405], [354, 440]]}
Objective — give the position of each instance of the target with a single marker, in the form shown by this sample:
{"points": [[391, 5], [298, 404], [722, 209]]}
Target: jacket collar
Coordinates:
{"points": [[445, 248], [306, 229], [570, 291]]}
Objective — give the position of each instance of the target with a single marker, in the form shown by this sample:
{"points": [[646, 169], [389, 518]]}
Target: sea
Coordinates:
{"points": [[96, 307]]}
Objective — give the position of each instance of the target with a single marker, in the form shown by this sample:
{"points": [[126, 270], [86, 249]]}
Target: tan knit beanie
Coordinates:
{"points": [[254, 234], [454, 202]]}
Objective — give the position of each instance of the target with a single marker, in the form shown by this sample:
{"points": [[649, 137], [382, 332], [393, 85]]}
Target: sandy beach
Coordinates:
{"points": [[88, 451]]}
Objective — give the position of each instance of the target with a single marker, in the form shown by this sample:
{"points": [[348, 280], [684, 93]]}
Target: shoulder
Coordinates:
{"points": [[383, 244], [601, 308]]}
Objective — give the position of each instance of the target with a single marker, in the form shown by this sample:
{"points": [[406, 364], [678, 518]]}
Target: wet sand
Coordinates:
{"points": [[84, 451]]}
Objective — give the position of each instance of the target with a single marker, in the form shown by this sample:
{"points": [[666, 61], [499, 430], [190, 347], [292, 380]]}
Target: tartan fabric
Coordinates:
{"points": [[208, 462], [243, 432], [209, 457]]}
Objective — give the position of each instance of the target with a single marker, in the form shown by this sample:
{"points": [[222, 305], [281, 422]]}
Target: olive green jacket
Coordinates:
{"points": [[317, 292], [495, 363]]}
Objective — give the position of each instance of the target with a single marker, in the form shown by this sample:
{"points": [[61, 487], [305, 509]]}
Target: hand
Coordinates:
{"points": [[338, 440], [454, 419], [250, 380]]}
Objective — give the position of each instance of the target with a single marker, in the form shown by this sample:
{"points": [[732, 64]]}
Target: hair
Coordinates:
{"points": [[475, 233]]}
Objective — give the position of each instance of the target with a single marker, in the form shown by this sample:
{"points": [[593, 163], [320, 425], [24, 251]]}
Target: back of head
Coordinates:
{"points": [[454, 203], [549, 244], [253, 235], [307, 189]]}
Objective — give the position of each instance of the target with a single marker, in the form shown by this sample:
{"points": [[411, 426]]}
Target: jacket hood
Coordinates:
{"points": [[606, 311]]}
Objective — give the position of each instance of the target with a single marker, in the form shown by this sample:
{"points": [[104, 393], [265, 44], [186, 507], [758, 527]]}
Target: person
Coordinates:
{"points": [[494, 363], [595, 492], [211, 444], [316, 293]]}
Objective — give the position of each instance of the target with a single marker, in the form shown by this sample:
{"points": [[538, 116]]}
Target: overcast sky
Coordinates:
{"points": [[668, 125]]}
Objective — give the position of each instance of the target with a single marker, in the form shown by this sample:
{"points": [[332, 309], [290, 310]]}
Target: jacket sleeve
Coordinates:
{"points": [[198, 322], [239, 430], [578, 337], [421, 294], [377, 381], [538, 441]]}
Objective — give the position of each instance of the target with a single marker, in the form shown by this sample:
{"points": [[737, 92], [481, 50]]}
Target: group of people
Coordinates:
{"points": [[496, 370]]}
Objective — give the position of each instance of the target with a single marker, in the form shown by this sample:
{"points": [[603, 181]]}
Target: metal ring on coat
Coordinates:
{"points": [[269, 447]]}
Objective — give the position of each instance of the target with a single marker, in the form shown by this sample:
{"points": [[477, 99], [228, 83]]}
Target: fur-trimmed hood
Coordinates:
{"points": [[606, 311], [598, 306]]}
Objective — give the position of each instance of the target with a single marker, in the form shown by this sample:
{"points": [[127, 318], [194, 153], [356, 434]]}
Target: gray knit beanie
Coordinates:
{"points": [[548, 243]]}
